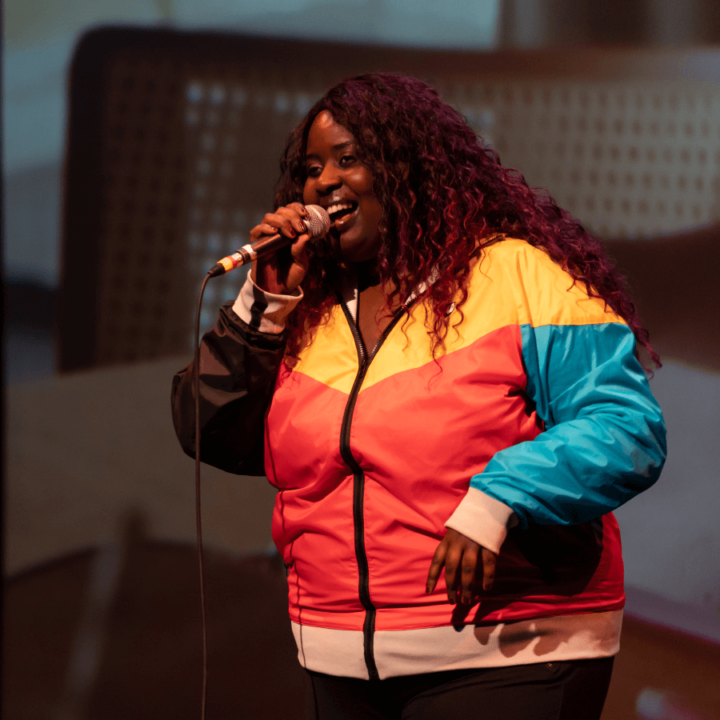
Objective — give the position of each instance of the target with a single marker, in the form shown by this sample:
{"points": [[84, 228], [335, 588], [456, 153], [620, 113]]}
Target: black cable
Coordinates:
{"points": [[198, 512]]}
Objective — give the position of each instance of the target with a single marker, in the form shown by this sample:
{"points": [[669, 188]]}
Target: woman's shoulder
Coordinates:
{"points": [[515, 262], [539, 284], [505, 250]]}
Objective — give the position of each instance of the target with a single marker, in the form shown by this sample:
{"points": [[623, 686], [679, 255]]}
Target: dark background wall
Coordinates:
{"points": [[671, 534]]}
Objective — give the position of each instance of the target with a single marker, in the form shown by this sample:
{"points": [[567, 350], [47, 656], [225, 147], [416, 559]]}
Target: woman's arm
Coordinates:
{"points": [[605, 435], [604, 438], [604, 443], [238, 367], [241, 355]]}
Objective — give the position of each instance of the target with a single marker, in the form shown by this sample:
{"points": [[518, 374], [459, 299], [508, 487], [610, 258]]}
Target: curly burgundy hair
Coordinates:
{"points": [[445, 196]]}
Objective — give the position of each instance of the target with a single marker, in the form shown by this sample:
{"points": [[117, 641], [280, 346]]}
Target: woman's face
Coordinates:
{"points": [[340, 183]]}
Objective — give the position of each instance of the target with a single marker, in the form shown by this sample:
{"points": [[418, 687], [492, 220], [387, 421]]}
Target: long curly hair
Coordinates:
{"points": [[444, 196]]}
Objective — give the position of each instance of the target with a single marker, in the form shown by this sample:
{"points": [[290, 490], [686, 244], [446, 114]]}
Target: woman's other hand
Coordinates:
{"points": [[282, 272], [459, 554]]}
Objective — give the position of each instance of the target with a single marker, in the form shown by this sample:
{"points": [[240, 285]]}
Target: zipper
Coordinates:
{"points": [[364, 361]]}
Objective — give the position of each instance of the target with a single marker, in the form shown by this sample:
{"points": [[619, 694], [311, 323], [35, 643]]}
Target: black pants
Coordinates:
{"points": [[571, 690]]}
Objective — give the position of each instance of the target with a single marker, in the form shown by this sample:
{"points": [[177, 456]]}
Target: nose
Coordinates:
{"points": [[328, 180]]}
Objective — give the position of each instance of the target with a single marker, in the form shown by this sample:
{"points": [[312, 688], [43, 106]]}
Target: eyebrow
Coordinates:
{"points": [[339, 146]]}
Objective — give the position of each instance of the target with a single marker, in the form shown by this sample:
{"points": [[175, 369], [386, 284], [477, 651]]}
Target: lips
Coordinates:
{"points": [[341, 212]]}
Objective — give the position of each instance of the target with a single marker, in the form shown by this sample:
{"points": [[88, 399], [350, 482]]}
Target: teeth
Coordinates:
{"points": [[339, 206]]}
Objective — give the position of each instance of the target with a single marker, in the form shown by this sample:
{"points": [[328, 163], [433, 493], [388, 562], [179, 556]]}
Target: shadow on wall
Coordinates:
{"points": [[114, 632], [674, 282]]}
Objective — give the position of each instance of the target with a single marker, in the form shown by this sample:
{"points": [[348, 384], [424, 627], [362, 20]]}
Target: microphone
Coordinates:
{"points": [[317, 224]]}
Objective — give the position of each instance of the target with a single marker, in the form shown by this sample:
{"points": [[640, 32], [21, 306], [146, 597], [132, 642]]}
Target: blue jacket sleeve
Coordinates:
{"points": [[604, 438]]}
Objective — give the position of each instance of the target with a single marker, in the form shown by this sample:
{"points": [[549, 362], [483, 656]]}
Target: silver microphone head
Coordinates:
{"points": [[317, 223]]}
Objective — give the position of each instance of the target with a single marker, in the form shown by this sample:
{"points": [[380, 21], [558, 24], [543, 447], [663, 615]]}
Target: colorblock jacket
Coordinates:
{"points": [[532, 424]]}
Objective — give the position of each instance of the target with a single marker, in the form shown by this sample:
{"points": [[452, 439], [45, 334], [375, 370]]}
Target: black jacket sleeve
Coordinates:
{"points": [[238, 367]]}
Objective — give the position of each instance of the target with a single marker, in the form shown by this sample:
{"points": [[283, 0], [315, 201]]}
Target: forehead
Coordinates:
{"points": [[327, 135]]}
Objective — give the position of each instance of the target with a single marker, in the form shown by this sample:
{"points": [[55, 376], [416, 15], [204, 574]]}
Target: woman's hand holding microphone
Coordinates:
{"points": [[281, 273]]}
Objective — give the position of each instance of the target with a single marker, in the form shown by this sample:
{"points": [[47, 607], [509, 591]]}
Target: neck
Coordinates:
{"points": [[367, 274]]}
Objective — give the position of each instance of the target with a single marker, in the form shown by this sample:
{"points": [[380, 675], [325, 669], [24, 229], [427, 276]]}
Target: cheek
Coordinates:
{"points": [[308, 196], [362, 181], [375, 213]]}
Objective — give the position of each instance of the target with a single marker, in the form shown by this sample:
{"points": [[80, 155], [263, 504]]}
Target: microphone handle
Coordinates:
{"points": [[316, 224], [250, 252]]}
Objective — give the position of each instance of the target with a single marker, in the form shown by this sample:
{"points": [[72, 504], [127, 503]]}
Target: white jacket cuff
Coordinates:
{"points": [[262, 310], [483, 519]]}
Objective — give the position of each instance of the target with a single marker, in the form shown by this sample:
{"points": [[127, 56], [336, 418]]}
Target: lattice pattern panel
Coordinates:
{"points": [[143, 302], [190, 167], [628, 160], [190, 158], [234, 133]]}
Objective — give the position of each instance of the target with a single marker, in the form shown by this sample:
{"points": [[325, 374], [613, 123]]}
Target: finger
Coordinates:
{"points": [[489, 561], [298, 251], [453, 558], [300, 209], [292, 215], [301, 241], [467, 574], [265, 229], [273, 223], [435, 567], [284, 228]]}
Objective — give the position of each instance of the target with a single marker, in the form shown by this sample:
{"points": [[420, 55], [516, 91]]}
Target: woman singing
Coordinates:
{"points": [[446, 394]]}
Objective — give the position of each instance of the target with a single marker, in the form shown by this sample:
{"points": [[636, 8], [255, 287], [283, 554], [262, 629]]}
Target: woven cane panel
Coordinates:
{"points": [[191, 156], [191, 165], [628, 160], [235, 131], [143, 304]]}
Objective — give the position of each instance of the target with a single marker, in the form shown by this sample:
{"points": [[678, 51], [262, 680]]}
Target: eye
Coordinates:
{"points": [[346, 160], [313, 171]]}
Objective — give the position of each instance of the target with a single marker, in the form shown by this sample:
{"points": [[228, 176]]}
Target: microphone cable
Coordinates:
{"points": [[198, 507], [317, 224]]}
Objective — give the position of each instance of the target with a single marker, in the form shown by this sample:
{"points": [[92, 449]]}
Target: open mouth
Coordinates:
{"points": [[340, 210]]}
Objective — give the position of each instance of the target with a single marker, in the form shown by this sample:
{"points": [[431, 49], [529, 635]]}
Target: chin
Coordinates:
{"points": [[357, 256], [354, 252]]}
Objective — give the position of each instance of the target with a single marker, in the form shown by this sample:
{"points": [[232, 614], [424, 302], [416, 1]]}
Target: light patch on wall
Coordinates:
{"points": [[28, 22], [212, 12], [34, 107], [423, 23]]}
